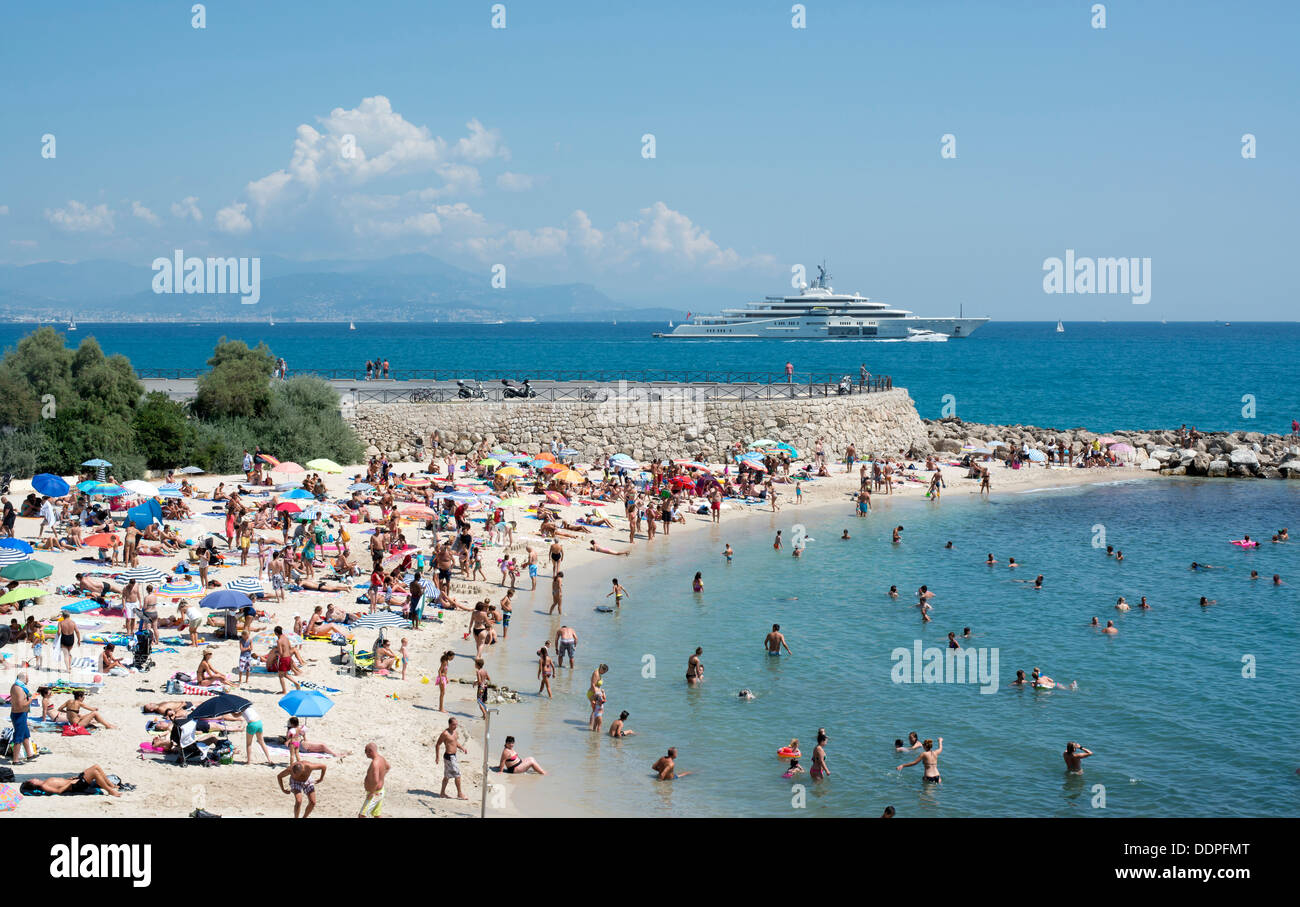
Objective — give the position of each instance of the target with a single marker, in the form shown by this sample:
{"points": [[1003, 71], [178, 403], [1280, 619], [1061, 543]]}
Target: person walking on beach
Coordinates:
{"points": [[775, 641], [68, 633], [596, 695], [301, 784], [376, 772], [930, 757], [545, 670], [450, 744], [1074, 755], [284, 660]]}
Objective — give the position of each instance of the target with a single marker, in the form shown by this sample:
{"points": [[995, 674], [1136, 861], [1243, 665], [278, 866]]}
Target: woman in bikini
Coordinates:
{"points": [[443, 678], [545, 670], [513, 764], [205, 675], [81, 715]]}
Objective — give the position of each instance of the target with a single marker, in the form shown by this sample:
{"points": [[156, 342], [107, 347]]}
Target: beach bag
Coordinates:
{"points": [[6, 774]]}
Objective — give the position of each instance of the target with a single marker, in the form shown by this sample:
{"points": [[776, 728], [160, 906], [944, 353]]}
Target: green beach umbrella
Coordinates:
{"points": [[27, 570], [324, 465], [22, 594]]}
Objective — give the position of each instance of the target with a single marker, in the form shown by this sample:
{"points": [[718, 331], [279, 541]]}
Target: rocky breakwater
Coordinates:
{"points": [[672, 422], [1217, 454]]}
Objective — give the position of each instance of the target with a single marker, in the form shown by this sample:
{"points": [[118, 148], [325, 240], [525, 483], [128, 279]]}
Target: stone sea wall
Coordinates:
{"points": [[674, 423], [1219, 454]]}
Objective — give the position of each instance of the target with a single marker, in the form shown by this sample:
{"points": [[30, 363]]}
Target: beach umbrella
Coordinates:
{"points": [[755, 465], [499, 452], [170, 491], [489, 461], [549, 457], [288, 507], [556, 498], [145, 514], [103, 489], [226, 600], [247, 584], [381, 619], [101, 540], [191, 471], [22, 594], [1122, 447], [569, 452], [323, 464], [17, 545], [97, 463], [516, 458], [416, 511], [267, 638], [510, 472], [571, 476], [287, 467], [50, 485], [363, 487], [790, 449], [221, 704], [144, 575], [144, 489], [416, 482], [1036, 456], [682, 481], [298, 493], [997, 444], [267, 458], [12, 556], [539, 463], [306, 703], [27, 569], [180, 588]]}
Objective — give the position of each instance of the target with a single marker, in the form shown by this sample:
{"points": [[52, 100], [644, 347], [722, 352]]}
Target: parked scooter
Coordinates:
{"points": [[513, 390], [465, 392]]}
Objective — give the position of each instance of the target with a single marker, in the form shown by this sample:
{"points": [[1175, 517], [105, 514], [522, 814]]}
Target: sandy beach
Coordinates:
{"points": [[400, 715]]}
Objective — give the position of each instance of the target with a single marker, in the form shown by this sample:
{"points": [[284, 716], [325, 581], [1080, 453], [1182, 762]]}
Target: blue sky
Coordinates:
{"points": [[774, 145]]}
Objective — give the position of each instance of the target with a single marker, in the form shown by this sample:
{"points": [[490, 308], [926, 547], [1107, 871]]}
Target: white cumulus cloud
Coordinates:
{"points": [[79, 218], [187, 209], [232, 219], [514, 182], [145, 214]]}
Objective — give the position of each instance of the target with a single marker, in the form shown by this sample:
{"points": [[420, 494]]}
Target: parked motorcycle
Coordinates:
{"points": [[513, 390], [465, 392]]}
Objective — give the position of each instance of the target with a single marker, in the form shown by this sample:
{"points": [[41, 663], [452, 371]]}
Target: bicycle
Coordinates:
{"points": [[428, 395]]}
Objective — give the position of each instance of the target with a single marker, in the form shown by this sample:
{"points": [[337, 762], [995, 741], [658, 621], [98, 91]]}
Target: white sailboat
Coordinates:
{"points": [[72, 323], [1060, 328], [351, 326], [670, 324], [270, 320]]}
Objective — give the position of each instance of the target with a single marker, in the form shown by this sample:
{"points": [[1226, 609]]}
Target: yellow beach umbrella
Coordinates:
{"points": [[510, 472], [22, 593], [570, 475], [324, 465]]}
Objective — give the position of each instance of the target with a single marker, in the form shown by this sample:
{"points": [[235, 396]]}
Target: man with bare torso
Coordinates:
{"points": [[449, 742], [376, 772]]}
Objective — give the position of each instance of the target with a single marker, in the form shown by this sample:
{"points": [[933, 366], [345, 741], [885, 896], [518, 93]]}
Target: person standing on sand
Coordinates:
{"points": [[450, 743], [376, 772], [284, 659], [557, 593], [301, 784], [68, 632], [20, 701], [985, 485]]}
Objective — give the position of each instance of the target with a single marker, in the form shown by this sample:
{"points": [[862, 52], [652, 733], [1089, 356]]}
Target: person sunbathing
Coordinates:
{"points": [[322, 585], [81, 715], [84, 782], [54, 543], [205, 675], [318, 626], [599, 519], [345, 567], [297, 742], [603, 550], [95, 588], [162, 708]]}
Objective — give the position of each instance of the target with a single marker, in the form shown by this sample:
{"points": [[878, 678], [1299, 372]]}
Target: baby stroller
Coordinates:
{"points": [[143, 648]]}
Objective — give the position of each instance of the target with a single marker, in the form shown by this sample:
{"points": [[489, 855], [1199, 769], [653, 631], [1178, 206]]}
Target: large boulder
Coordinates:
{"points": [[1243, 456], [1217, 468], [951, 445], [1150, 465]]}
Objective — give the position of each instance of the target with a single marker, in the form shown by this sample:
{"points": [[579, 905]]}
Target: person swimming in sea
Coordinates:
{"points": [[1121, 604], [845, 536], [1200, 566], [794, 769], [1206, 602], [727, 553], [948, 546], [990, 562], [1011, 562], [1143, 604], [1020, 680], [897, 538], [893, 592], [1110, 629]]}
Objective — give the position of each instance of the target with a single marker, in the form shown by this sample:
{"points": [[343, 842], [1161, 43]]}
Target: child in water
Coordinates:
{"points": [[793, 770], [697, 584]]}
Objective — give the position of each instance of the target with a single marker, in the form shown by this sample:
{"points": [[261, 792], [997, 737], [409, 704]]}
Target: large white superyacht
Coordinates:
{"points": [[819, 313]]}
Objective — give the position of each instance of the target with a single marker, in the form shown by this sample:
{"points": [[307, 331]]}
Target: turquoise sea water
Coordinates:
{"points": [[1097, 375], [1177, 729]]}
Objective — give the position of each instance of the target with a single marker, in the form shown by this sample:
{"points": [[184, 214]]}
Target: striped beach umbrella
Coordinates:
{"points": [[381, 619], [179, 588], [144, 574], [12, 556], [247, 584], [191, 471], [362, 487], [170, 490]]}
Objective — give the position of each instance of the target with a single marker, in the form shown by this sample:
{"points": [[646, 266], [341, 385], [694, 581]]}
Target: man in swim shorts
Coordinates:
{"points": [[775, 641], [449, 742], [301, 784], [566, 643], [375, 774]]}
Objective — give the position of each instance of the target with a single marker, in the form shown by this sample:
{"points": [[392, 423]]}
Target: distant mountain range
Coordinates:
{"points": [[401, 288]]}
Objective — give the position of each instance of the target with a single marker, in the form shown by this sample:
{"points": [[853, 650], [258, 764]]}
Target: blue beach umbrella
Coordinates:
{"points": [[299, 493], [97, 463], [362, 487], [50, 485], [17, 544], [539, 463], [225, 600], [145, 514], [306, 703]]}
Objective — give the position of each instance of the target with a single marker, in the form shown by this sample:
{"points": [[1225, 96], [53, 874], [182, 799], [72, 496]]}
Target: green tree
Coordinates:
{"points": [[239, 383], [164, 435]]}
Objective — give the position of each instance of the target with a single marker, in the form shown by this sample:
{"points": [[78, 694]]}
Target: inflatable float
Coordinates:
{"points": [[1245, 543], [786, 753]]}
